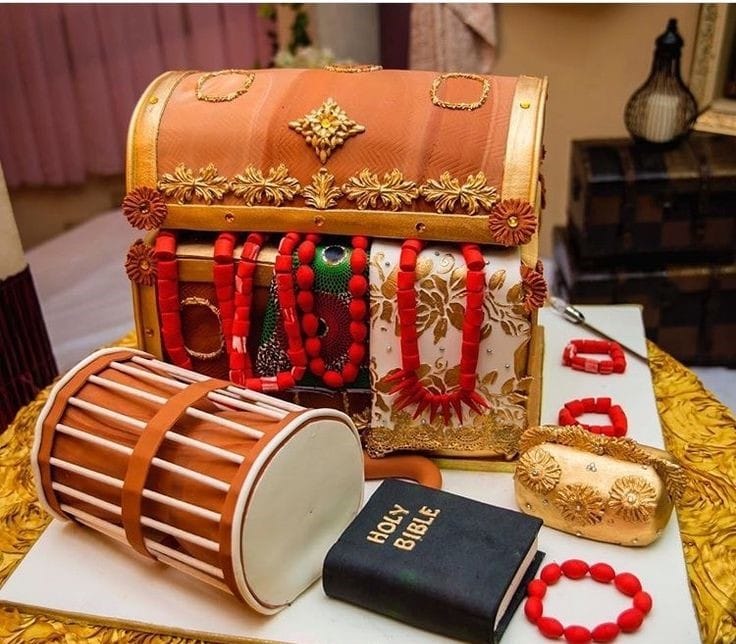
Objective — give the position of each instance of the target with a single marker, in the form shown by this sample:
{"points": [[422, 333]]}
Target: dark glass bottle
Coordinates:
{"points": [[663, 108]]}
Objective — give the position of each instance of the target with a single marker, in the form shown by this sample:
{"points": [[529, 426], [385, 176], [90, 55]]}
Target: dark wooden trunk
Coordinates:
{"points": [[648, 206], [689, 311]]}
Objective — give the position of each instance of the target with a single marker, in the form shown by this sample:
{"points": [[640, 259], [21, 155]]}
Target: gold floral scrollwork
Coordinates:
{"points": [[437, 82], [632, 498], [248, 78], [391, 193], [326, 128], [322, 193], [276, 188], [538, 470], [580, 504], [186, 185], [473, 196]]}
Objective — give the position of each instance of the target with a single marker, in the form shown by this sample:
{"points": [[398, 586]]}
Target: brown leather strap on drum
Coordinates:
{"points": [[146, 449]]}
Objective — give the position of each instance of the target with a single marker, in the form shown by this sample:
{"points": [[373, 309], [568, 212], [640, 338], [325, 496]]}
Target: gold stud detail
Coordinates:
{"points": [[153, 100], [326, 128], [525, 105]]}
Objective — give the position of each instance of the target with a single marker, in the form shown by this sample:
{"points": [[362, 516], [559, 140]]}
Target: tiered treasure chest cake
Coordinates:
{"points": [[351, 237]]}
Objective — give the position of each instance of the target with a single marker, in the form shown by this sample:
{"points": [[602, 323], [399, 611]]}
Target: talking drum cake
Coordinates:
{"points": [[236, 488], [351, 237]]}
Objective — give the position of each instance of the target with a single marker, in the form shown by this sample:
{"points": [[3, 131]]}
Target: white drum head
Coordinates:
{"points": [[293, 507]]}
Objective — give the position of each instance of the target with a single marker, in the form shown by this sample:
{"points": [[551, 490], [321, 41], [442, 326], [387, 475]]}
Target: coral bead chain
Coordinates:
{"points": [[167, 293], [240, 362], [358, 287], [410, 391], [223, 273], [615, 364], [619, 424], [627, 622]]}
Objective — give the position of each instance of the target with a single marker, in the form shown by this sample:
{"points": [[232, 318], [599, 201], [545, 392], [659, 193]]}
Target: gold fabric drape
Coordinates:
{"points": [[698, 430]]}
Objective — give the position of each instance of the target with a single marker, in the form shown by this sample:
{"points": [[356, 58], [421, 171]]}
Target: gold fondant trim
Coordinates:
{"points": [[437, 82], [249, 77], [523, 152], [142, 154], [396, 225]]}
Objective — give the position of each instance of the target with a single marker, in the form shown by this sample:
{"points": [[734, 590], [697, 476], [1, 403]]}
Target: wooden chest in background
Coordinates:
{"points": [[689, 311], [638, 205]]}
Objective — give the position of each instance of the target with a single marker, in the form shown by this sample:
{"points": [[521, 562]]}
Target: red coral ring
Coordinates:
{"points": [[574, 408], [626, 583], [616, 364]]}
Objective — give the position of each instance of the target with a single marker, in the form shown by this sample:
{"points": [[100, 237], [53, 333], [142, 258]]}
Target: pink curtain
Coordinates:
{"points": [[70, 76]]}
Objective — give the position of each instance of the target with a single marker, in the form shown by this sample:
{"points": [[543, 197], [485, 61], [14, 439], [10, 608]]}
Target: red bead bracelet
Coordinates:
{"points": [[574, 408], [615, 364], [627, 622]]}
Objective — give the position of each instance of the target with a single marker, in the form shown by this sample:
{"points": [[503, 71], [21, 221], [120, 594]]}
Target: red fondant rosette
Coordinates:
{"points": [[144, 208], [512, 222], [534, 287], [140, 264]]}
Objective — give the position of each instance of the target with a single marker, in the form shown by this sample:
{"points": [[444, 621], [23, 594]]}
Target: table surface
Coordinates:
{"points": [[698, 431]]}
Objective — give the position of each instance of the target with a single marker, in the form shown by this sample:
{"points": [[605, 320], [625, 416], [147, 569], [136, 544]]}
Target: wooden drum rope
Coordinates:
{"points": [[71, 490]]}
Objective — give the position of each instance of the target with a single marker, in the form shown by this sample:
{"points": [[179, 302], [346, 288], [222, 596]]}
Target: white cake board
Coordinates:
{"points": [[75, 571]]}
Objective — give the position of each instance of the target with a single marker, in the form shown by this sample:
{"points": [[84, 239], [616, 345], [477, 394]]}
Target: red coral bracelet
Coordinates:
{"points": [[573, 409], [627, 622], [615, 364]]}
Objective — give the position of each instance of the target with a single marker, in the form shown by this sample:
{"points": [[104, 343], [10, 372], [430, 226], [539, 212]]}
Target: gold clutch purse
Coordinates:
{"points": [[606, 489]]}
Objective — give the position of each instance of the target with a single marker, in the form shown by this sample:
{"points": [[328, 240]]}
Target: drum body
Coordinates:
{"points": [[241, 490]]}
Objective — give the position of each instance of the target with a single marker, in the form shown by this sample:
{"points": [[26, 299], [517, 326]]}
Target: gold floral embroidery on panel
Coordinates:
{"points": [[497, 431], [275, 188], [391, 193], [248, 78], [437, 82], [322, 193], [446, 192], [580, 504], [538, 470], [186, 185], [632, 498], [326, 128]]}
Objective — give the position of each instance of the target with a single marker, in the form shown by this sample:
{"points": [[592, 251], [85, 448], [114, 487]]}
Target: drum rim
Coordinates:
{"points": [[251, 480], [38, 430]]}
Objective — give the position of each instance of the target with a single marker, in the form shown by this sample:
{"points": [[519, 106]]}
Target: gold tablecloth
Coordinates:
{"points": [[698, 430]]}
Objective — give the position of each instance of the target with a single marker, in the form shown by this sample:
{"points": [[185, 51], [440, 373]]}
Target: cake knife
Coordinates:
{"points": [[575, 316]]}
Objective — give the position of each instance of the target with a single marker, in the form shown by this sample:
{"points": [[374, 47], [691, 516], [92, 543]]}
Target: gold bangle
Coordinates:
{"points": [[200, 301]]}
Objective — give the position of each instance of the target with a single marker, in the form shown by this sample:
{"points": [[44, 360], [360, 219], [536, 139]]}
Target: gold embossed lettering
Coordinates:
{"points": [[377, 537], [397, 509], [427, 512], [404, 544], [387, 526], [418, 528]]}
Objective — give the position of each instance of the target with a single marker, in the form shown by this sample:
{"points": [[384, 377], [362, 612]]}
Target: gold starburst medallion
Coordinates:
{"points": [[538, 470], [326, 128], [580, 504], [632, 498]]}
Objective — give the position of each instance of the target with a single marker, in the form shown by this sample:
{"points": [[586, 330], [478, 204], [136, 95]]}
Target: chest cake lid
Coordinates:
{"points": [[342, 150]]}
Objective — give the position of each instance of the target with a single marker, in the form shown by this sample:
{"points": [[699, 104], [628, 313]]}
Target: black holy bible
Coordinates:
{"points": [[435, 560]]}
